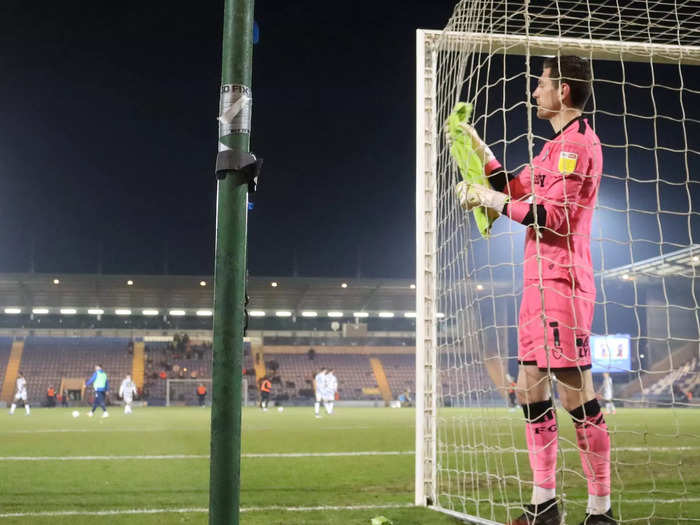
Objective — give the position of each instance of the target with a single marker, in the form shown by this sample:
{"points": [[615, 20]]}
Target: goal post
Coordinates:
{"points": [[183, 391], [470, 457]]}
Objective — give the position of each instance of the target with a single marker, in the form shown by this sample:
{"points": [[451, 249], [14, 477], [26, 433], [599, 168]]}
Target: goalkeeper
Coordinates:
{"points": [[554, 197]]}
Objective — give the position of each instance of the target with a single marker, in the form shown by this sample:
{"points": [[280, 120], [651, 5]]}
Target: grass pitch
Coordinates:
{"points": [[292, 460]]}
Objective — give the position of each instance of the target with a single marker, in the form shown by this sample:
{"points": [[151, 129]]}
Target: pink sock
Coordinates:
{"points": [[594, 446], [541, 435]]}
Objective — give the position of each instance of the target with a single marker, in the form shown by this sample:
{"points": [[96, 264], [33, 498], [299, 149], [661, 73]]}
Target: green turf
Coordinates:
{"points": [[118, 484]]}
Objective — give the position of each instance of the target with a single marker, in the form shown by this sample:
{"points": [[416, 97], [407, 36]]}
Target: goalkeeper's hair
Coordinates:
{"points": [[574, 71]]}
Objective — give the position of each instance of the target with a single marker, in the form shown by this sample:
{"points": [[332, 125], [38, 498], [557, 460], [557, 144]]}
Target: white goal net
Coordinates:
{"points": [[183, 392], [471, 454]]}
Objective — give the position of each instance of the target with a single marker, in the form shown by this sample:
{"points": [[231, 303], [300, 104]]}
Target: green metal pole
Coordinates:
{"points": [[230, 266]]}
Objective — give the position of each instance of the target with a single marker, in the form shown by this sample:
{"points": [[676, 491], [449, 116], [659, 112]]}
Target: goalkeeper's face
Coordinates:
{"points": [[547, 96]]}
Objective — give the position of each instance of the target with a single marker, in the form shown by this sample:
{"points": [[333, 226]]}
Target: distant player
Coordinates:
{"points": [[554, 197], [606, 392], [127, 391], [201, 395], [100, 383], [20, 394], [329, 391], [319, 385], [265, 388]]}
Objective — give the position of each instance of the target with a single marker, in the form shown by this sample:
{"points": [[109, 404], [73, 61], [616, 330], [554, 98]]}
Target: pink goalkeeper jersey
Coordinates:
{"points": [[563, 181]]}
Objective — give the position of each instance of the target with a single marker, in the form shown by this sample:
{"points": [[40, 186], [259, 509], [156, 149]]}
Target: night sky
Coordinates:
{"points": [[108, 136]]}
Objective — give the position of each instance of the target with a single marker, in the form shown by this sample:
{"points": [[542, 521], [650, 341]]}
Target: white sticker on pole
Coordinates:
{"points": [[235, 105]]}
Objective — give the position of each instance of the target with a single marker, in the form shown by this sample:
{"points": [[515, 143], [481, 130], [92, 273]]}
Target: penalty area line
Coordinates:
{"points": [[198, 510], [206, 456]]}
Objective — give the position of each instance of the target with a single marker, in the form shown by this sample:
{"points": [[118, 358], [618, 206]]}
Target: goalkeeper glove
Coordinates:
{"points": [[474, 195], [482, 151]]}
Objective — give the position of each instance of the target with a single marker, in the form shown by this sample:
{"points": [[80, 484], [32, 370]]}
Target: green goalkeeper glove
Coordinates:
{"points": [[470, 161]]}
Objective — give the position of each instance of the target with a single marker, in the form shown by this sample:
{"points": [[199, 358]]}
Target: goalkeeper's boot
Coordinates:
{"points": [[599, 519], [546, 513]]}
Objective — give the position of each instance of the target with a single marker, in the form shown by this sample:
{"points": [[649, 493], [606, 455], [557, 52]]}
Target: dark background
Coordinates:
{"points": [[108, 136]]}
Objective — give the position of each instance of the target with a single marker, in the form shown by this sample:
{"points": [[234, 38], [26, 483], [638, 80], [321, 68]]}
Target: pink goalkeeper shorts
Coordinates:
{"points": [[559, 339]]}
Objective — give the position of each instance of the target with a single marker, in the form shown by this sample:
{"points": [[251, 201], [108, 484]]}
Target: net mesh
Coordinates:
{"points": [[184, 391], [646, 111]]}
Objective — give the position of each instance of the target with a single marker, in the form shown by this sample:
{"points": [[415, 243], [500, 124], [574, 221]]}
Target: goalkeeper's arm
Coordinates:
{"points": [[497, 176]]}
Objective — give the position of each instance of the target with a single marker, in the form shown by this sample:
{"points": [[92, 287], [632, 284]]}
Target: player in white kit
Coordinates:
{"points": [[606, 392], [127, 391], [330, 388], [20, 394], [319, 388]]}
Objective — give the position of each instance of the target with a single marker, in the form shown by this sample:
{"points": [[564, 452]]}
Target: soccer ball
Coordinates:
{"points": [[280, 409], [76, 413]]}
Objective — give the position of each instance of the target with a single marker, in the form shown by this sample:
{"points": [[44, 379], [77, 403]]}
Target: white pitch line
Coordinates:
{"points": [[618, 449], [198, 510], [203, 510], [206, 456], [112, 430], [311, 454]]}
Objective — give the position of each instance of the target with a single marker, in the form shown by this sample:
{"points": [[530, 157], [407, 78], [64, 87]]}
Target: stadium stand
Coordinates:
{"points": [[5, 346], [400, 370], [278, 340], [683, 378], [48, 359]]}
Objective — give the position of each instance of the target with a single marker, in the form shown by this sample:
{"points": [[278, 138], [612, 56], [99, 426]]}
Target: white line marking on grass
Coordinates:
{"points": [[89, 430], [203, 510], [330, 454], [198, 510], [618, 449], [206, 456], [309, 454], [98, 458], [328, 507], [147, 430]]}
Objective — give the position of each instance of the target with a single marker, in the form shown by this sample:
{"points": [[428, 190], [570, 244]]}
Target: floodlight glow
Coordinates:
{"points": [[335, 314], [177, 313], [413, 287], [625, 276], [204, 313], [130, 283], [13, 310], [202, 283], [309, 314], [360, 314], [256, 313], [344, 285], [40, 311], [95, 311], [283, 313], [150, 311], [122, 311], [273, 284], [409, 315], [56, 281], [386, 314], [68, 311], [479, 286], [696, 258]]}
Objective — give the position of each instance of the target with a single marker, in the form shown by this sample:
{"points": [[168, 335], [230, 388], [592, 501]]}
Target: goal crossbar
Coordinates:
{"points": [[544, 45]]}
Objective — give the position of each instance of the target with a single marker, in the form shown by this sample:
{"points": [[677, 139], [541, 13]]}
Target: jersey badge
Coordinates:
{"points": [[567, 162]]}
